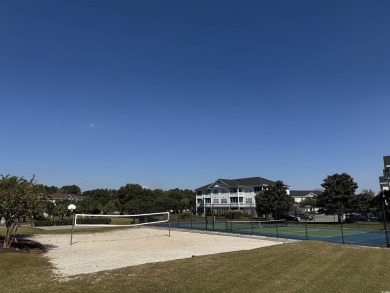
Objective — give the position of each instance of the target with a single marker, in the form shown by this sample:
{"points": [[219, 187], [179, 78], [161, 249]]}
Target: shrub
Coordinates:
{"points": [[52, 223], [185, 216], [235, 215], [43, 223], [69, 222]]}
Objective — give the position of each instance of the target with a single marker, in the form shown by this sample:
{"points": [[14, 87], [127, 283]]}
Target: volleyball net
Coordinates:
{"points": [[93, 220]]}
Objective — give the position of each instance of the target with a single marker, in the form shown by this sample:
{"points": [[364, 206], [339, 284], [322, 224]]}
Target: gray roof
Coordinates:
{"points": [[66, 196], [303, 193], [241, 182]]}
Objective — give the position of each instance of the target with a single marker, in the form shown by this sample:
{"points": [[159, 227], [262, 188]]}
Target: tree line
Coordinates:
{"points": [[21, 198], [128, 199], [338, 197]]}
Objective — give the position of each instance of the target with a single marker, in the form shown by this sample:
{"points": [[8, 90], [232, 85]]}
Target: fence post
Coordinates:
{"points": [[307, 237], [276, 222], [251, 217], [384, 220]]}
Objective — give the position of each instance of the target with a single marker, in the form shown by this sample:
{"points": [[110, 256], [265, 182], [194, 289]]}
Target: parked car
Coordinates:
{"points": [[353, 218], [305, 217], [292, 218]]}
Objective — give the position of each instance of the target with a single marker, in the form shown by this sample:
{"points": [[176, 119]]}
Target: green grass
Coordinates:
{"points": [[307, 266]]}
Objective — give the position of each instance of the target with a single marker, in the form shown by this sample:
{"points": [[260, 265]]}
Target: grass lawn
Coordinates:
{"points": [[306, 266]]}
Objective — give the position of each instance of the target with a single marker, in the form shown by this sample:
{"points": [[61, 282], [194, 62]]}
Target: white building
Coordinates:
{"points": [[230, 194], [385, 179], [301, 195]]}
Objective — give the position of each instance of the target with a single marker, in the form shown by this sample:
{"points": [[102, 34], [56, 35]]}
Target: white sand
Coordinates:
{"points": [[122, 248]]}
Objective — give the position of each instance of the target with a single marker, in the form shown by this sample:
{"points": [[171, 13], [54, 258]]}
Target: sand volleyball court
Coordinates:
{"points": [[94, 252]]}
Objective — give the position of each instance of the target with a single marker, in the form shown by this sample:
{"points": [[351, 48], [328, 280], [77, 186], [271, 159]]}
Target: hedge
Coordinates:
{"points": [[69, 222], [52, 223]]}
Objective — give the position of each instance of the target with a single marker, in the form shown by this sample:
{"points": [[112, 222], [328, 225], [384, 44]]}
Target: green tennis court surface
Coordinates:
{"points": [[272, 229], [302, 232]]}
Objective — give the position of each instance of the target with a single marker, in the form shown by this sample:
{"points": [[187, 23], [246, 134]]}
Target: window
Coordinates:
{"points": [[233, 190], [199, 201], [241, 199], [216, 200], [248, 189], [248, 200], [234, 199], [223, 190], [199, 192], [223, 200], [215, 191], [207, 191], [208, 200], [258, 189]]}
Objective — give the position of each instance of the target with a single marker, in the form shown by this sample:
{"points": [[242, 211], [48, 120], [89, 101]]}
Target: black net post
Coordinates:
{"points": [[384, 220], [251, 218], [340, 216], [205, 216], [212, 215], [191, 218], [178, 221], [230, 215], [307, 237], [314, 214]]}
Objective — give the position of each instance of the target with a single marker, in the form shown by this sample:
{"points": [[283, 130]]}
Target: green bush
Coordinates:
{"points": [[69, 222], [236, 215], [52, 223], [185, 216], [43, 223]]}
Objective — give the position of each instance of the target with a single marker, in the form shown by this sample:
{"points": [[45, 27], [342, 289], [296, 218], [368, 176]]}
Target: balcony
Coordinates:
{"points": [[225, 205]]}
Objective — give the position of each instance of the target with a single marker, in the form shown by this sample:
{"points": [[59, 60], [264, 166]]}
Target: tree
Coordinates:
{"points": [[50, 189], [382, 201], [365, 201], [274, 200], [110, 207], [19, 198], [96, 200], [60, 210], [70, 189], [338, 196]]}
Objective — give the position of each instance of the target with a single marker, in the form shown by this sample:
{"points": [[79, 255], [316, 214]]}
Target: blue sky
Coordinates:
{"points": [[173, 94]]}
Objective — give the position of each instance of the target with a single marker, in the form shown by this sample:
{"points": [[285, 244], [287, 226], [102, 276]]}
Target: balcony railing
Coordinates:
{"points": [[226, 205], [224, 194]]}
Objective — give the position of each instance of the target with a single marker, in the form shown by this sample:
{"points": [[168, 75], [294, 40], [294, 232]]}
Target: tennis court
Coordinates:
{"points": [[283, 229]]}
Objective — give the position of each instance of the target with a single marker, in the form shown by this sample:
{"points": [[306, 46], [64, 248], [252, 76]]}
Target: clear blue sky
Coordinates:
{"points": [[173, 94]]}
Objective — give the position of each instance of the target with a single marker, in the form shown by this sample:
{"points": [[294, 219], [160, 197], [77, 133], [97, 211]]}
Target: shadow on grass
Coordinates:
{"points": [[22, 244]]}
